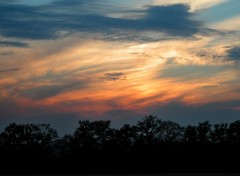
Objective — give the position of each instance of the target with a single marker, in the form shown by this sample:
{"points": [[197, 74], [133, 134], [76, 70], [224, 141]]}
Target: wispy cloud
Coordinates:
{"points": [[232, 24], [13, 44], [6, 53], [194, 4], [9, 70], [115, 76]]}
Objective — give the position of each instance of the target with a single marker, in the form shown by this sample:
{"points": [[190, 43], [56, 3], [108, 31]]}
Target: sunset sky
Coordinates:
{"points": [[62, 61]]}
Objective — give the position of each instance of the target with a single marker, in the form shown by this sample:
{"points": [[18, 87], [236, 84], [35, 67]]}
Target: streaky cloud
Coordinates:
{"points": [[13, 44], [9, 70], [115, 76], [47, 91], [6, 53]]}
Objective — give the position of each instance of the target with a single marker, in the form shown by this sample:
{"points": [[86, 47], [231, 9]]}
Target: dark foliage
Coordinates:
{"points": [[152, 145]]}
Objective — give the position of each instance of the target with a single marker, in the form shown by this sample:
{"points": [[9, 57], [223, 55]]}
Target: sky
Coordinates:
{"points": [[62, 61]]}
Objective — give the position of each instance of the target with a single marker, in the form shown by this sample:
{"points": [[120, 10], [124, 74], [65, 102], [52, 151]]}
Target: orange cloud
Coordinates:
{"points": [[100, 76]]}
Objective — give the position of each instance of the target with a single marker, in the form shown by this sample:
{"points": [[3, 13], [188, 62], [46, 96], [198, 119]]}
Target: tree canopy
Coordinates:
{"points": [[95, 141]]}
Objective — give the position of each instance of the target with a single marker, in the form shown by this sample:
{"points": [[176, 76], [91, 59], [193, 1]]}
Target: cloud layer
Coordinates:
{"points": [[75, 59], [45, 22]]}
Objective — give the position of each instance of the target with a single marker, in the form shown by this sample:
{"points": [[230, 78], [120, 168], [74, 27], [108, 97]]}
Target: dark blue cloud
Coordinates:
{"points": [[174, 19], [43, 22], [81, 6], [8, 2], [234, 54], [25, 22]]}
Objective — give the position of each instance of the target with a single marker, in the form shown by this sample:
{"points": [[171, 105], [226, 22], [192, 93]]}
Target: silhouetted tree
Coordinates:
{"points": [[204, 131], [125, 137], [92, 135], [97, 145], [190, 134], [148, 129], [234, 132], [219, 134], [170, 132], [28, 134], [64, 147], [28, 141]]}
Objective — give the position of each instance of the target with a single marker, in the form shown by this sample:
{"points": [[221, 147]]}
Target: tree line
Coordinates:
{"points": [[96, 144]]}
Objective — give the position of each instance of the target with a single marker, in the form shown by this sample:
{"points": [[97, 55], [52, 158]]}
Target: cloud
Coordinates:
{"points": [[54, 89], [209, 85], [174, 19], [234, 54], [115, 76], [231, 24], [6, 53], [87, 7], [45, 22], [81, 78], [27, 22], [13, 44], [185, 73], [194, 4], [9, 70], [8, 2]]}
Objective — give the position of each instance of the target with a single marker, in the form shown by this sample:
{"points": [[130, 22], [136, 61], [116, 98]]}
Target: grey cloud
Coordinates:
{"points": [[13, 44], [41, 92], [209, 86], [190, 72], [115, 76], [209, 54], [6, 53], [9, 70], [60, 84]]}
